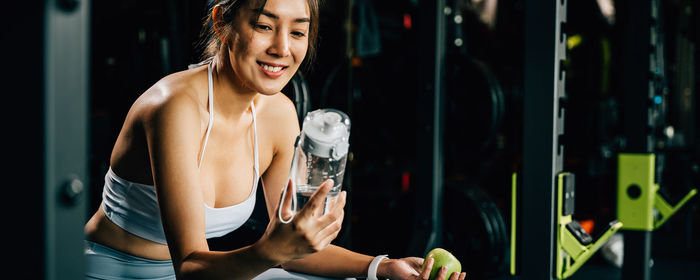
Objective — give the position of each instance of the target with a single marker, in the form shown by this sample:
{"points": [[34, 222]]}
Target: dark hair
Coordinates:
{"points": [[211, 45]]}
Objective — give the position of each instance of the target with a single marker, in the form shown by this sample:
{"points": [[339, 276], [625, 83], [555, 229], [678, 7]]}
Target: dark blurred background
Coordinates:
{"points": [[369, 61], [367, 64]]}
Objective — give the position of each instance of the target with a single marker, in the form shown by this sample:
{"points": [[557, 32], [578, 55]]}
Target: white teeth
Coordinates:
{"points": [[271, 68]]}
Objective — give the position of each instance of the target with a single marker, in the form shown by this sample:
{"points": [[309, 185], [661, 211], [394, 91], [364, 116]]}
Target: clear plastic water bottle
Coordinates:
{"points": [[320, 153]]}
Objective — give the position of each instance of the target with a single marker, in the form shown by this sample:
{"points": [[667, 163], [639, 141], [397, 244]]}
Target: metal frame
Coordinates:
{"points": [[545, 50], [573, 252], [636, 76], [427, 232], [637, 92], [66, 51]]}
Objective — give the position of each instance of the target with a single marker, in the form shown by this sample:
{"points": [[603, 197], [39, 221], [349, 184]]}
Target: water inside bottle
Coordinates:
{"points": [[304, 193]]}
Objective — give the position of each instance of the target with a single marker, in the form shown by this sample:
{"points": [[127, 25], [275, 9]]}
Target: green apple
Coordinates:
{"points": [[443, 258]]}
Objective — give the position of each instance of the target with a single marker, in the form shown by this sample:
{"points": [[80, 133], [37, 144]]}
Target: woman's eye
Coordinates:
{"points": [[262, 27], [298, 34]]}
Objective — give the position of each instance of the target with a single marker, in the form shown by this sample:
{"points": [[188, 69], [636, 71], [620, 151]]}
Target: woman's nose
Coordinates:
{"points": [[280, 45]]}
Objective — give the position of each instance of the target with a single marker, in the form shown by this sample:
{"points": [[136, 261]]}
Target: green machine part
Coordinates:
{"points": [[513, 220], [571, 254], [639, 206]]}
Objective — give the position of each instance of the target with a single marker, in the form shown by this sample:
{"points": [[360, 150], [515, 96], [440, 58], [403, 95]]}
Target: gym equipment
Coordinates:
{"points": [[62, 134], [513, 223], [298, 91], [477, 236], [543, 131], [574, 245], [639, 204], [473, 92], [472, 85], [640, 207], [428, 226]]}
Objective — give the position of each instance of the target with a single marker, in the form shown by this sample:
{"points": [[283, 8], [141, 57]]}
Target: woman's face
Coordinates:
{"points": [[266, 51]]}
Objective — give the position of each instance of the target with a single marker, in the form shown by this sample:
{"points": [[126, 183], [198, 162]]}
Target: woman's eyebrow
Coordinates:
{"points": [[274, 16]]}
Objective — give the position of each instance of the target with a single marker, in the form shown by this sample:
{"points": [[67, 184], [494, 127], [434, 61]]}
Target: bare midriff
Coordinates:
{"points": [[100, 229]]}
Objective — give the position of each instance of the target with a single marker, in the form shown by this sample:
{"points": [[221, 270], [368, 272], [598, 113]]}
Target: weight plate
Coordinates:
{"points": [[474, 230]]}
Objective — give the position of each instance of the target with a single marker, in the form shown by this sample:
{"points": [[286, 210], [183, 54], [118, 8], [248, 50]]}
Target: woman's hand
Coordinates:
{"points": [[410, 268], [310, 231]]}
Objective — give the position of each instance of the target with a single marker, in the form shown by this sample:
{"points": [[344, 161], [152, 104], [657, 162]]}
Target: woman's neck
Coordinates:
{"points": [[232, 98]]}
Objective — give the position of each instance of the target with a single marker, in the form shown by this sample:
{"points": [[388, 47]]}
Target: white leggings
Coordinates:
{"points": [[105, 263]]}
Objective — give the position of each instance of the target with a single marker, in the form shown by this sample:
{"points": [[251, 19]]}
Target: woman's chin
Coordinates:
{"points": [[268, 88], [271, 91]]}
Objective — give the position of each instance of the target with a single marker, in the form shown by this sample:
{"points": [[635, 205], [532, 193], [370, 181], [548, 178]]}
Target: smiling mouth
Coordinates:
{"points": [[273, 68]]}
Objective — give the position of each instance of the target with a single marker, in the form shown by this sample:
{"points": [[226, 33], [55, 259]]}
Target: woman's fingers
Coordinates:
{"points": [[425, 274], [339, 202], [318, 228], [442, 273], [317, 200], [462, 276], [335, 214], [328, 234], [332, 221]]}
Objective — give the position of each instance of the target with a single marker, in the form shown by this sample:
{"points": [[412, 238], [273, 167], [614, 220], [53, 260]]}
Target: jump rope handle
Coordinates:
{"points": [[284, 191]]}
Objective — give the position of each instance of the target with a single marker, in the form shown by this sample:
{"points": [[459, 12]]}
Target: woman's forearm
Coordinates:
{"points": [[333, 261], [243, 263]]}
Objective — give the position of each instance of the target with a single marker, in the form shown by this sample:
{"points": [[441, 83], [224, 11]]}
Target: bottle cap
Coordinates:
{"points": [[326, 133]]}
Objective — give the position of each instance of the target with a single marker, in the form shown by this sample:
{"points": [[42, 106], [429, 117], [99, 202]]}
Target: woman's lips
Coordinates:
{"points": [[272, 70]]}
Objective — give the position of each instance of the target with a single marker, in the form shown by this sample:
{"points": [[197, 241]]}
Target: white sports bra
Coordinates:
{"points": [[134, 206]]}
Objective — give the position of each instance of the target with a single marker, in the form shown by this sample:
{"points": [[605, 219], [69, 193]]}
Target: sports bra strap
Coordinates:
{"points": [[211, 122], [255, 138], [211, 114]]}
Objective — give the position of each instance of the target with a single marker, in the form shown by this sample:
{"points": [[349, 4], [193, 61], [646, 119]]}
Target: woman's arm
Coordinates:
{"points": [[173, 132], [333, 261]]}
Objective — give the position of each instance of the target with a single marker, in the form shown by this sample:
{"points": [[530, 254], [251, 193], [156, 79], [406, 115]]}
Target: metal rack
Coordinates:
{"points": [[427, 232], [544, 108], [638, 174], [65, 96]]}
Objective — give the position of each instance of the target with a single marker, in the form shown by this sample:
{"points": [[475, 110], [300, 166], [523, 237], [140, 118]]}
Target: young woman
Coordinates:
{"points": [[187, 161]]}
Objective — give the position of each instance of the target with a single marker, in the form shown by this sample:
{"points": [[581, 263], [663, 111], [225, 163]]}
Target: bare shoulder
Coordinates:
{"points": [[278, 115], [170, 109], [176, 96], [277, 108]]}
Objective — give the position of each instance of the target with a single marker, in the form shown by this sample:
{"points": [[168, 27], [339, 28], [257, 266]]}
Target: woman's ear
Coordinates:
{"points": [[216, 22]]}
